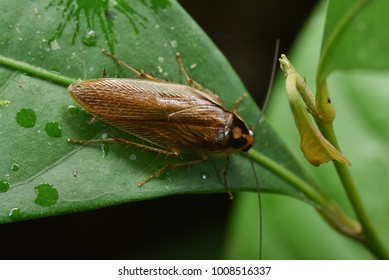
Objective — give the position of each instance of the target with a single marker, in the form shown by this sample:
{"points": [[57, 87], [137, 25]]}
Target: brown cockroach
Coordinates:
{"points": [[173, 118]]}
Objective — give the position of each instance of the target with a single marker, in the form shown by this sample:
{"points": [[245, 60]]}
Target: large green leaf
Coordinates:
{"points": [[42, 174], [291, 230], [354, 36]]}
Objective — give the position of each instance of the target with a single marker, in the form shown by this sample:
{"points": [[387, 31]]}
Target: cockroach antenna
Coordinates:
{"points": [[269, 88], [259, 118]]}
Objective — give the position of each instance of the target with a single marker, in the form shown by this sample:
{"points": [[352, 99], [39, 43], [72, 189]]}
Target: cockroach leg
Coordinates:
{"points": [[149, 148], [141, 74], [225, 171], [129, 143], [171, 166], [156, 150], [90, 141], [237, 101], [189, 80]]}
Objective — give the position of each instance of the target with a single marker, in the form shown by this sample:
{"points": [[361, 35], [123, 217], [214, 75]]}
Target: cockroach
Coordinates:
{"points": [[172, 118]]}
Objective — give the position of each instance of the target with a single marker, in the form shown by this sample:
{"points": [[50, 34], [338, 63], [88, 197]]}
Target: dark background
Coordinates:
{"points": [[173, 227]]}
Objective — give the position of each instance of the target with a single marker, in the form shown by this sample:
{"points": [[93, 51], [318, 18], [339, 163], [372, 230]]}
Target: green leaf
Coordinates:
{"points": [[64, 39], [354, 36]]}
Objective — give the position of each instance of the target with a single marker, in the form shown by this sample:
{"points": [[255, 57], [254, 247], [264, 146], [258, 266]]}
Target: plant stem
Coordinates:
{"points": [[372, 241], [36, 71], [326, 207]]}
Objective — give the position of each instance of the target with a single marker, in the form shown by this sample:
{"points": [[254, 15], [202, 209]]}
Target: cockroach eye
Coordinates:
{"points": [[241, 137], [250, 141]]}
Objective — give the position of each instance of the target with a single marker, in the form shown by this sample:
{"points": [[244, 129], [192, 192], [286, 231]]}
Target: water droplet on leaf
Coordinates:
{"points": [[26, 118], [105, 148], [90, 38], [204, 175], [4, 186], [15, 214], [53, 129], [46, 195], [55, 45], [73, 110], [173, 43], [15, 167]]}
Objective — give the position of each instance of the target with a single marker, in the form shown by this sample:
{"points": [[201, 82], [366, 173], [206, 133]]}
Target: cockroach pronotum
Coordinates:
{"points": [[172, 118]]}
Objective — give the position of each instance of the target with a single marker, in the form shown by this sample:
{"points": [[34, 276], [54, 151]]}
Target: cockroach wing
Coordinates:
{"points": [[169, 115]]}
